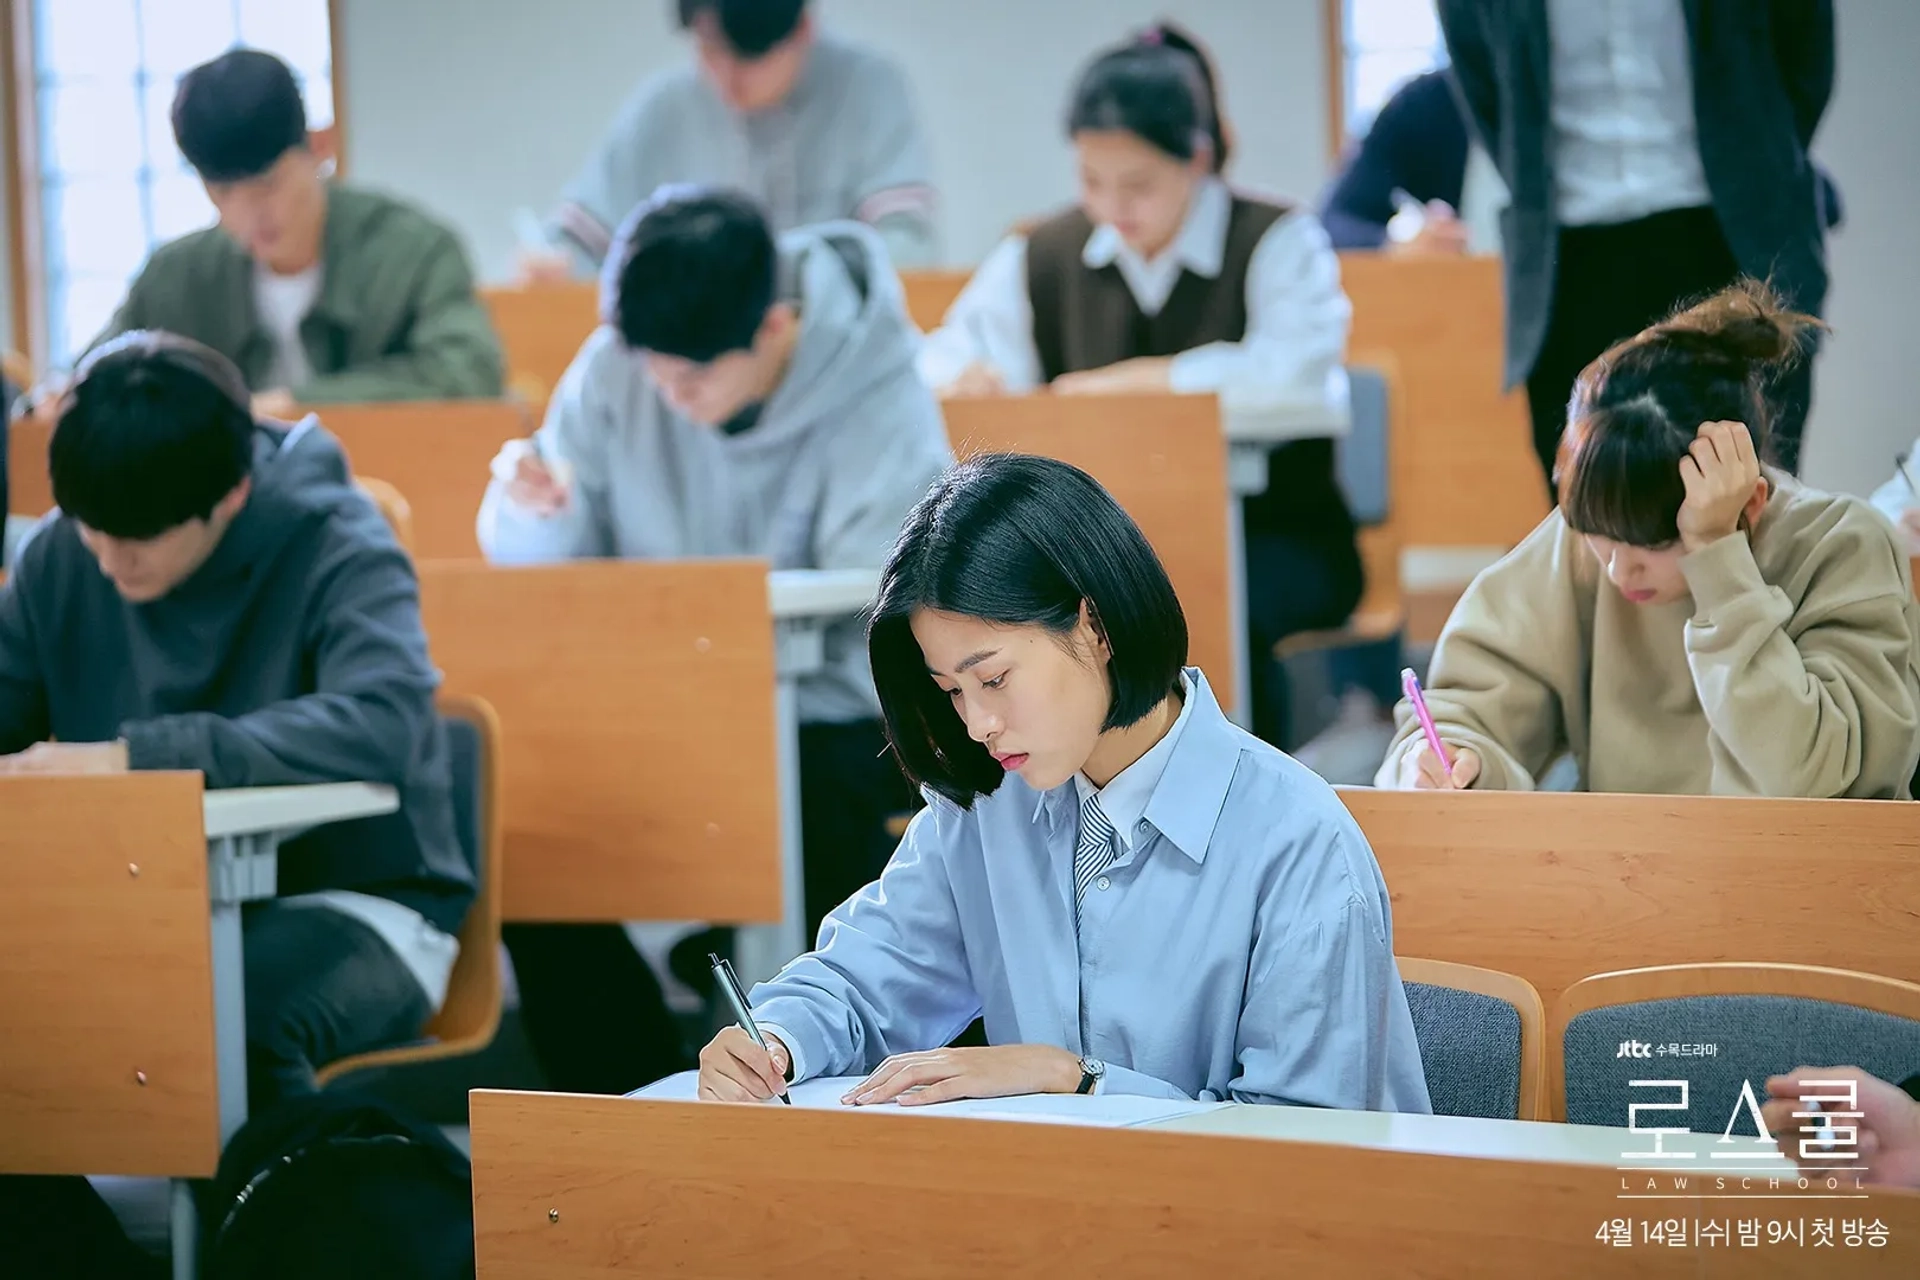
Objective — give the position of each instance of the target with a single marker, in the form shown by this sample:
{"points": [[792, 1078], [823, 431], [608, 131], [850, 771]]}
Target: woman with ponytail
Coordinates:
{"points": [[1689, 620], [1163, 279]]}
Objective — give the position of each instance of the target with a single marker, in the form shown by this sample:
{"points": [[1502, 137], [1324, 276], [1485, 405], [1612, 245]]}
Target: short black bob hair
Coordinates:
{"points": [[752, 27], [153, 432], [1161, 88], [1636, 410], [234, 117], [1019, 541], [692, 273]]}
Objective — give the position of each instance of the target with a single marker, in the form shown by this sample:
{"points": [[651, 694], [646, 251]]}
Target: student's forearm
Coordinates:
{"points": [[509, 534], [318, 738], [457, 370]]}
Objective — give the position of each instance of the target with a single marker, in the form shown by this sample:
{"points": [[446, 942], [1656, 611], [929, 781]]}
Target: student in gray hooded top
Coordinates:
{"points": [[815, 128], [743, 396]]}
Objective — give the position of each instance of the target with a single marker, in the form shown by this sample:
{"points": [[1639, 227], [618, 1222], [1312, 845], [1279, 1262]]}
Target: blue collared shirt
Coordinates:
{"points": [[1240, 948]]}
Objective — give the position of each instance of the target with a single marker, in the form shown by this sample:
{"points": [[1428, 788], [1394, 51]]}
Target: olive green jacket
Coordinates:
{"points": [[397, 317]]}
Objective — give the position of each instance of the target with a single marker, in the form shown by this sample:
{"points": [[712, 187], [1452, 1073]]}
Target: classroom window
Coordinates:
{"points": [[111, 183], [1383, 44]]}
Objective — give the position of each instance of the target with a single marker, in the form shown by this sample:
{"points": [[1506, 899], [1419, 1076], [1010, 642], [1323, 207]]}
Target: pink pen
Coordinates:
{"points": [[1410, 685]]}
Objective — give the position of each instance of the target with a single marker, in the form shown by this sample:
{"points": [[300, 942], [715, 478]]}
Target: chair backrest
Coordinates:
{"points": [[106, 978], [1720, 1027], [1464, 468], [639, 699], [1555, 887], [930, 293], [471, 1012], [1482, 1039], [1365, 459], [1164, 459], [393, 505], [438, 454], [541, 328]]}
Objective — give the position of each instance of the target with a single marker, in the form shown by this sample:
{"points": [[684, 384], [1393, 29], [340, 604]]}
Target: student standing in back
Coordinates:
{"points": [[815, 128], [1688, 621], [318, 291], [1164, 279], [1136, 896], [745, 396]]}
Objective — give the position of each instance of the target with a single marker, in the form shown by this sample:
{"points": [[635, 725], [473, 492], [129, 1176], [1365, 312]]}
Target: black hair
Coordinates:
{"points": [[234, 117], [153, 432], [752, 27], [1637, 409], [1018, 541], [1161, 88], [692, 273]]}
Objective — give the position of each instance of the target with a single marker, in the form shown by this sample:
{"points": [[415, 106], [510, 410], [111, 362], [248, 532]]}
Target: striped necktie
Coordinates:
{"points": [[1094, 852]]}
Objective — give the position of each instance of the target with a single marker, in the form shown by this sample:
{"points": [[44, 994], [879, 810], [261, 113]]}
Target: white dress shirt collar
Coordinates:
{"points": [[1200, 246], [1124, 800]]}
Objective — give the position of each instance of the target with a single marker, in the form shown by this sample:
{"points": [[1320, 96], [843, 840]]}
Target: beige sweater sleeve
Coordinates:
{"points": [[1510, 646], [1819, 700]]}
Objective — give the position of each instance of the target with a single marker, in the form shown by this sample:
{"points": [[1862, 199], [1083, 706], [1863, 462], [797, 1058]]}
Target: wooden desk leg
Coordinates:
{"points": [[239, 869], [763, 949], [1248, 480]]}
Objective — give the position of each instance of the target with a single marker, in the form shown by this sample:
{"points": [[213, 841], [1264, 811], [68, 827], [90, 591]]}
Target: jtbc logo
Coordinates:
{"points": [[1634, 1049]]}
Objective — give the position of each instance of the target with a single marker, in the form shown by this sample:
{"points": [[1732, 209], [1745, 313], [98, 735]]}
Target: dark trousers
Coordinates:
{"points": [[592, 1007], [320, 986], [1293, 585], [1610, 282]]}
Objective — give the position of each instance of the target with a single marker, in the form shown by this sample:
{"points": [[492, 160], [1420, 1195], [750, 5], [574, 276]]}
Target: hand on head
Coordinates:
{"points": [[1721, 473]]}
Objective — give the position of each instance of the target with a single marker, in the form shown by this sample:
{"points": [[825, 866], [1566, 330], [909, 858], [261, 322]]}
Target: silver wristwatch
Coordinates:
{"points": [[1092, 1072]]}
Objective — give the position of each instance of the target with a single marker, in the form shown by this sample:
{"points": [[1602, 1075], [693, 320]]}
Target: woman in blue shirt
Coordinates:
{"points": [[1137, 896]]}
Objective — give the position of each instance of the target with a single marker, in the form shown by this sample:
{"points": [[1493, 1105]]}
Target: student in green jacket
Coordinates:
{"points": [[319, 292]]}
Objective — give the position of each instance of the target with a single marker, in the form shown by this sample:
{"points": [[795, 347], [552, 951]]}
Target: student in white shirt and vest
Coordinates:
{"points": [[1134, 895], [1163, 279], [1656, 150], [814, 128]]}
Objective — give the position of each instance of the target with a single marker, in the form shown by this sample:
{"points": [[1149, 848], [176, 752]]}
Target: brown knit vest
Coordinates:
{"points": [[1085, 318]]}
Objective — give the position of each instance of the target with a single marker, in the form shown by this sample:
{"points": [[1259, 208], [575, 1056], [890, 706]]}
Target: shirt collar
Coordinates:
{"points": [[1185, 798], [1200, 245], [1124, 799]]}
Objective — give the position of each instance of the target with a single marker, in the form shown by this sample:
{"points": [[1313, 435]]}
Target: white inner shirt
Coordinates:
{"points": [[283, 302], [1625, 143]]}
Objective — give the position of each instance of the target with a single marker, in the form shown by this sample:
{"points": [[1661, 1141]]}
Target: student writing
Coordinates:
{"points": [[1162, 279], [815, 128], [747, 396], [319, 291], [1688, 620], [1136, 895]]}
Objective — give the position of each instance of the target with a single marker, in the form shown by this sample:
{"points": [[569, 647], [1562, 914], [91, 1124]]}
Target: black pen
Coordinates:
{"points": [[724, 979]]}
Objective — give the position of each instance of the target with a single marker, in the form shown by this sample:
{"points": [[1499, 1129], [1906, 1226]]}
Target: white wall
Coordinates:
{"points": [[497, 108], [1863, 390], [478, 113]]}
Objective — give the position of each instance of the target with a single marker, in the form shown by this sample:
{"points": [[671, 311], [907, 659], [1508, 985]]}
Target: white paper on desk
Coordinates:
{"points": [[1111, 1111]]}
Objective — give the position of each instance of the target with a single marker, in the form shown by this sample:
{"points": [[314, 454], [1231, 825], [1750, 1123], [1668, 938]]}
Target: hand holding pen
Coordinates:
{"points": [[742, 1064]]}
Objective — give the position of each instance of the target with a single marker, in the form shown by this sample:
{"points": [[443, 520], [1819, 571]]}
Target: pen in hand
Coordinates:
{"points": [[724, 979]]}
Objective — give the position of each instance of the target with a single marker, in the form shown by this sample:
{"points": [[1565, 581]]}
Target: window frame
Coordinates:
{"points": [[26, 261]]}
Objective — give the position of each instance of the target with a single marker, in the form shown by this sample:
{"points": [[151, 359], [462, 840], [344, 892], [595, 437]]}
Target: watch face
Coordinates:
{"points": [[1093, 1067]]}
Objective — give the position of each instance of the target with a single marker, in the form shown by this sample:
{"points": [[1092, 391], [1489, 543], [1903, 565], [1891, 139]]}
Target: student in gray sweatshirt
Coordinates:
{"points": [[815, 128], [744, 396], [214, 594]]}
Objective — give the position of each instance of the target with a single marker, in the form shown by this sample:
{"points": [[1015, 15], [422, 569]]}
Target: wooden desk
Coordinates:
{"points": [[930, 293], [1555, 887], [1164, 459], [437, 454], [591, 1187], [542, 328], [638, 701]]}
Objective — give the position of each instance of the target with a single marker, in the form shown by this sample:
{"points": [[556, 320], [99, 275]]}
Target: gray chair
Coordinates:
{"points": [[1758, 1020], [1482, 1039]]}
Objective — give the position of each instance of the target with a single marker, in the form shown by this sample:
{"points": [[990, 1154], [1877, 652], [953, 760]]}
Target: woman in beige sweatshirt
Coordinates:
{"points": [[1687, 622]]}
